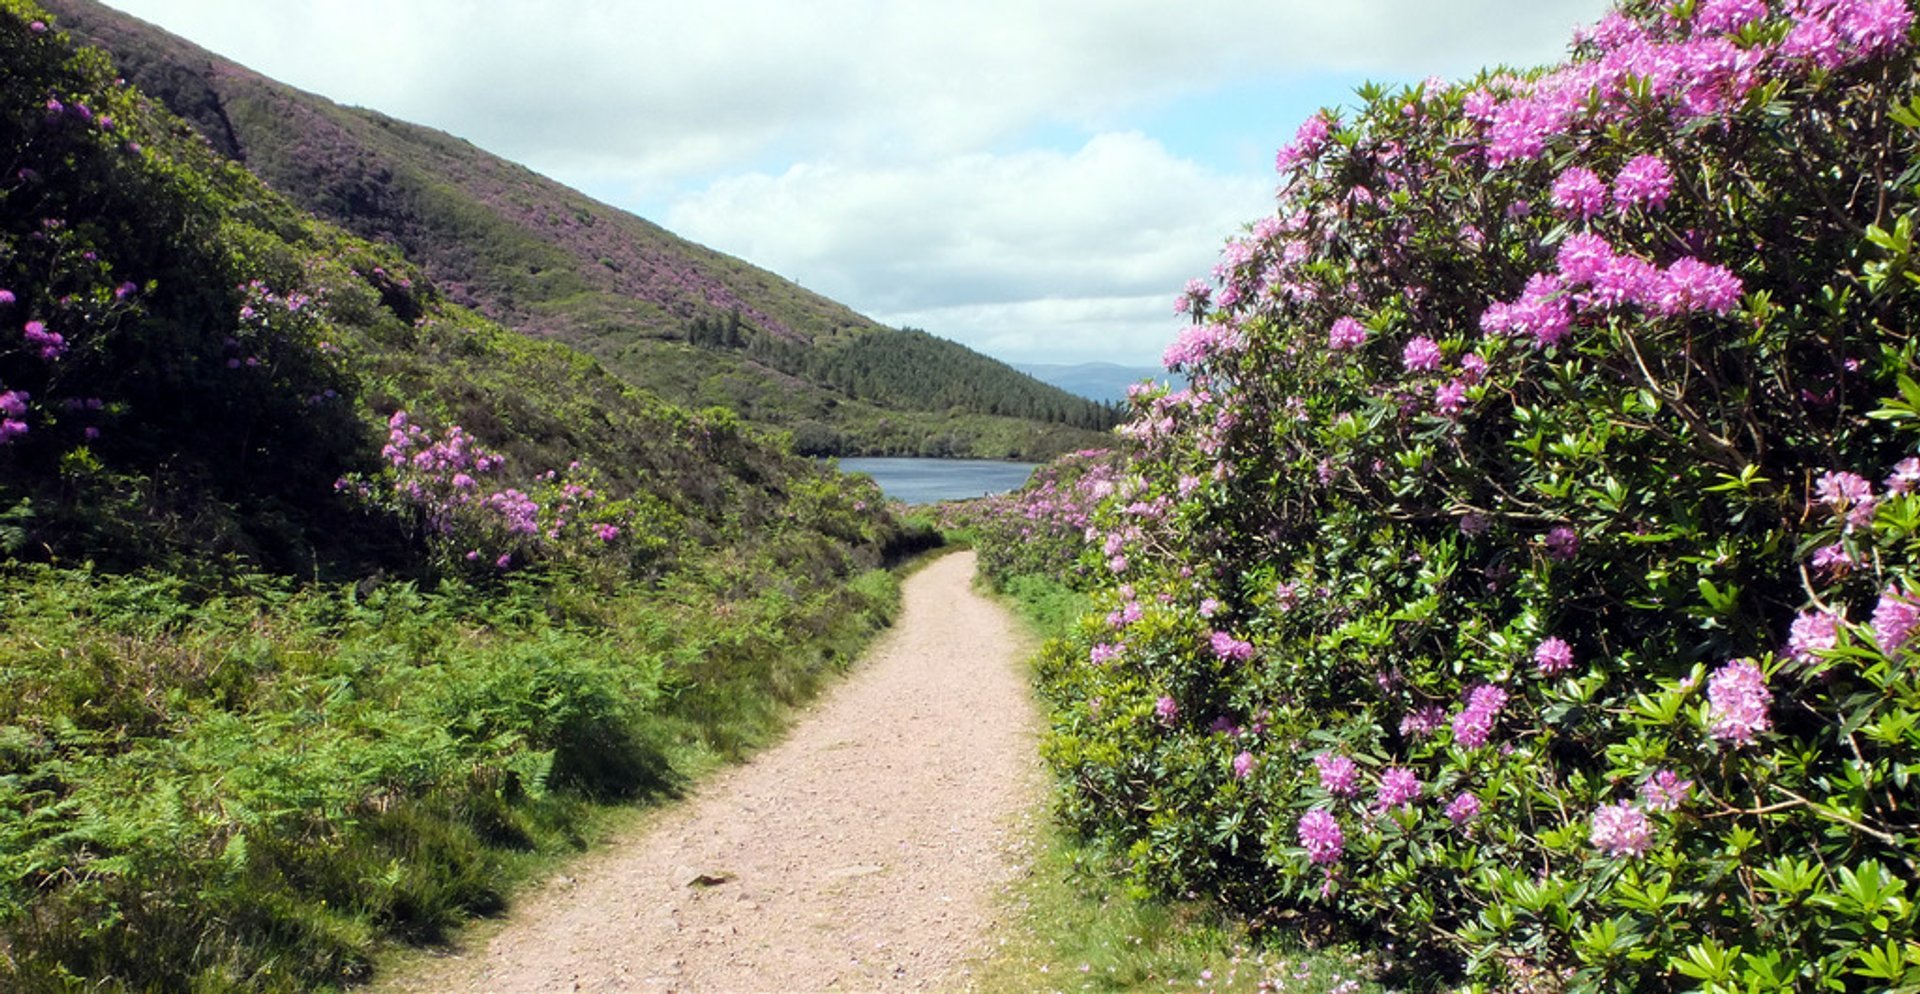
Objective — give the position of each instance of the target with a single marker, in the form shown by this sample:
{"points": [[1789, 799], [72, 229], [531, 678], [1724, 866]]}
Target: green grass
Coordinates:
{"points": [[1076, 929], [1076, 925]]}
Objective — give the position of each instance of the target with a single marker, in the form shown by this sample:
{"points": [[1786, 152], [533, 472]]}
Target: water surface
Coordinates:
{"points": [[926, 481]]}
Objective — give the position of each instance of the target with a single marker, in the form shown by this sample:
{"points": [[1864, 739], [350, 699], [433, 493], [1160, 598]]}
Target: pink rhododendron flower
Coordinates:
{"points": [[1812, 632], [1320, 834], [1621, 830], [1338, 774], [13, 403], [1463, 808], [1167, 710], [1398, 788], [1346, 333], [1243, 765], [1553, 656], [1582, 257], [1450, 398], [1876, 26], [1645, 181], [1421, 355], [1229, 648], [1689, 285], [1905, 476], [1562, 543], [1834, 560], [1665, 791], [1422, 721], [1737, 699], [1579, 193], [1473, 726], [1727, 16], [1894, 618]]}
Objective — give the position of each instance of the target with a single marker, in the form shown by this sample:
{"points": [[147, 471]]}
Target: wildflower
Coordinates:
{"points": [[1472, 367], [1811, 633], [50, 344], [1582, 257], [1876, 25], [1842, 490], [1243, 765], [1167, 710], [1463, 808], [1737, 699], [1229, 648], [1474, 724], [1338, 774], [1579, 193], [1691, 285], [1398, 788], [1894, 618], [1643, 182], [1422, 721], [1346, 333], [1421, 355], [1621, 829], [1727, 16], [1906, 473], [1450, 398], [1834, 560], [1553, 656], [1665, 791], [1320, 834]]}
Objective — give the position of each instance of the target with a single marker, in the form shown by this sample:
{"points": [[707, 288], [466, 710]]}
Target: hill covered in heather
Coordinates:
{"points": [[326, 601], [697, 326]]}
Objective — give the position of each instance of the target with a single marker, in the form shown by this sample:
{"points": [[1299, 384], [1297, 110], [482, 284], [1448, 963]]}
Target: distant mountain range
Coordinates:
{"points": [[1105, 382], [696, 326]]}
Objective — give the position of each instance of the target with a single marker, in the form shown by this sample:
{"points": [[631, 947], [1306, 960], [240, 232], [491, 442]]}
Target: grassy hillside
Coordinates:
{"points": [[551, 262], [323, 599]]}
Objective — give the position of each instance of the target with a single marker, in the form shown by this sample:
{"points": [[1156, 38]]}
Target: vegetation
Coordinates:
{"points": [[549, 262], [320, 596], [1528, 579], [1078, 928]]}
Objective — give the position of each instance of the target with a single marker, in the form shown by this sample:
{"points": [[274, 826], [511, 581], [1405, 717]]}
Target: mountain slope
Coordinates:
{"points": [[323, 600], [550, 261]]}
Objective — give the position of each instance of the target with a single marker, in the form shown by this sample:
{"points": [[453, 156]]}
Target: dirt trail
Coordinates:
{"points": [[862, 853]]}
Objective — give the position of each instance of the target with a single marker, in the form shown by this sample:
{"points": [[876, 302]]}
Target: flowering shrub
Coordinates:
{"points": [[1530, 448], [1040, 529], [442, 483]]}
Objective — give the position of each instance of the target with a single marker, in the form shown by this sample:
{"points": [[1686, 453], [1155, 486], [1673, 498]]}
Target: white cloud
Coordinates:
{"points": [[1119, 219], [879, 151], [672, 90]]}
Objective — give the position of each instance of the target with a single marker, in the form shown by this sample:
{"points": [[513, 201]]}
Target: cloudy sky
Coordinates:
{"points": [[1034, 178]]}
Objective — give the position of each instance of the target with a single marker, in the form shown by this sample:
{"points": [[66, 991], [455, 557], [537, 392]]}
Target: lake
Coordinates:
{"points": [[926, 481]]}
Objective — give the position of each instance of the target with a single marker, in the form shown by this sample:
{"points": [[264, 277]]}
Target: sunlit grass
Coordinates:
{"points": [[1071, 926]]}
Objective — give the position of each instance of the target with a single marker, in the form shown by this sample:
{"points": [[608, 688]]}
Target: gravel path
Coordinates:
{"points": [[863, 853]]}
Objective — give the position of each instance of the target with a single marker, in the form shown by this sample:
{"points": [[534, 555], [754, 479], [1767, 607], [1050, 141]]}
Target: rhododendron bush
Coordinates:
{"points": [[1528, 576]]}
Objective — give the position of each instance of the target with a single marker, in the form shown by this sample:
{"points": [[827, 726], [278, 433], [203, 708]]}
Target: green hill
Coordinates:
{"points": [[699, 327], [326, 602]]}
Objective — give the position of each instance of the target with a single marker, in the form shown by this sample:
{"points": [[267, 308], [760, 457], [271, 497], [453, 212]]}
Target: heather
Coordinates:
{"points": [[327, 606], [1526, 578], [695, 326]]}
